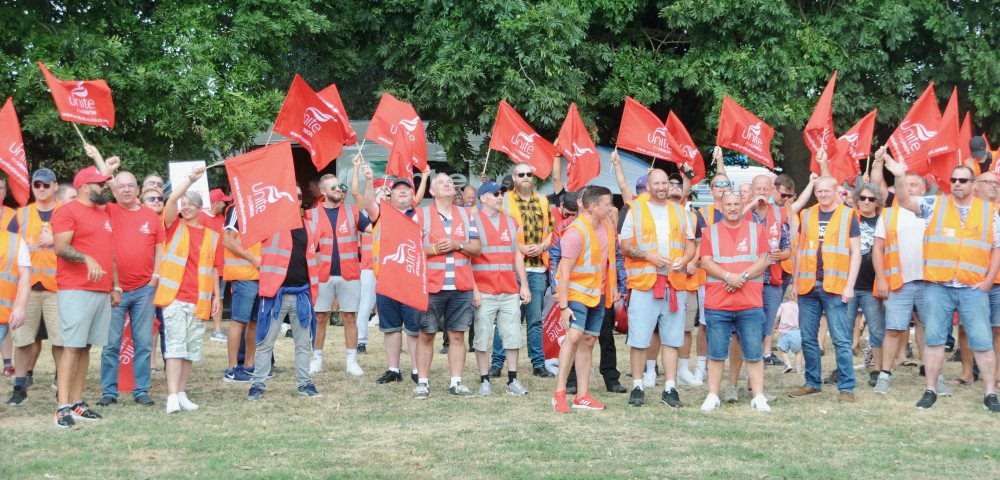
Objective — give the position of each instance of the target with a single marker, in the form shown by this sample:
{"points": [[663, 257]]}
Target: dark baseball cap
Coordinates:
{"points": [[508, 182], [977, 148], [676, 176], [43, 175], [402, 181]]}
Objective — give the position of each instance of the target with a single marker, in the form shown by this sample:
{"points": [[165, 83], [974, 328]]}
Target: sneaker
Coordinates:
{"points": [[637, 398], [990, 403], [685, 377], [443, 351], [942, 387], [309, 390], [846, 397], [805, 391], [671, 399], [106, 400], [460, 390], [730, 394], [711, 403], [185, 402], [315, 366], [274, 370], [236, 374], [420, 392], [788, 369], [649, 379], [515, 388], [83, 411], [413, 376], [773, 359], [8, 371], [485, 389], [64, 417], [542, 372], [927, 400], [144, 400], [54, 385], [256, 391], [586, 402], [559, 402], [18, 397], [389, 376], [495, 372], [218, 336], [833, 378], [884, 384], [759, 403], [571, 388], [701, 374], [30, 383], [354, 369], [873, 378], [173, 405], [362, 349]]}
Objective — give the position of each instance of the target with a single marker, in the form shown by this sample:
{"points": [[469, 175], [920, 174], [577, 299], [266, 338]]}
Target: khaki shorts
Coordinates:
{"points": [[692, 311], [84, 317], [41, 303], [504, 309]]}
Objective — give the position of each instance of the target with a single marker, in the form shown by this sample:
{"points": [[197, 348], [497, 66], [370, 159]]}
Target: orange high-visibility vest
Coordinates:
{"points": [[493, 269], [641, 273], [585, 277], [956, 251], [276, 252], [238, 268], [510, 207], [172, 266], [430, 222], [43, 259], [890, 262], [788, 265], [708, 213], [772, 229], [347, 240], [367, 260], [8, 274], [836, 250]]}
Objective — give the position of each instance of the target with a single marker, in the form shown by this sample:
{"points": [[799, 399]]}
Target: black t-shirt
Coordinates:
{"points": [[298, 271], [824, 219], [866, 274]]}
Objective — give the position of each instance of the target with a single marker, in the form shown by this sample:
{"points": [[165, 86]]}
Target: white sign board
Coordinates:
{"points": [[179, 171]]}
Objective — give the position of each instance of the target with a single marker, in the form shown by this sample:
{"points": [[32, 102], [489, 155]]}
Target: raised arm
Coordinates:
{"points": [[877, 176], [355, 194], [627, 194], [898, 170], [170, 206], [720, 165], [804, 197], [419, 195], [106, 167], [557, 181]]}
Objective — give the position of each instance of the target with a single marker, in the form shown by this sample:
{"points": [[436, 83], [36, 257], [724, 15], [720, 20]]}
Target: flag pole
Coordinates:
{"points": [[216, 164], [78, 132], [487, 162], [869, 168]]}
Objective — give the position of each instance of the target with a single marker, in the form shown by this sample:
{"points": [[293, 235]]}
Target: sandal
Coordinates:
{"points": [[959, 381], [907, 363]]}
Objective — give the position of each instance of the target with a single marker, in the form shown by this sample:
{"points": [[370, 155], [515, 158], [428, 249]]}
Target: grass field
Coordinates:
{"points": [[362, 430]]}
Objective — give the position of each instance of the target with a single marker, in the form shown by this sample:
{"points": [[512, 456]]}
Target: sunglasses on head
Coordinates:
{"points": [[41, 185], [522, 174], [961, 181], [154, 199], [154, 183], [867, 198], [721, 183]]}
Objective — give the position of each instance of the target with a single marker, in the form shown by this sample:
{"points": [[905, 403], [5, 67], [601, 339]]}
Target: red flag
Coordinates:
{"points": [[909, 142], [331, 96], [393, 115], [742, 131], [582, 161], [853, 146], [82, 101], [553, 333], [819, 131], [401, 259], [943, 149], [513, 136], [262, 182], [401, 159], [305, 118], [964, 136], [641, 131], [12, 159], [687, 147]]}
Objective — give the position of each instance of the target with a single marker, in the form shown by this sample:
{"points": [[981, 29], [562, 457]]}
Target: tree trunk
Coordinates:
{"points": [[796, 156]]}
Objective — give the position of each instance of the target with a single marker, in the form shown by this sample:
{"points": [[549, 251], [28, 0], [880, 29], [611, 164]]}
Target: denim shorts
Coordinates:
{"points": [[940, 304], [394, 316], [747, 323], [995, 306], [790, 341], [587, 319], [645, 313], [243, 303], [447, 310], [899, 305]]}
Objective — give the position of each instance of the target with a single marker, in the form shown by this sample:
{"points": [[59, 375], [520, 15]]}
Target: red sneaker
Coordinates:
{"points": [[559, 402], [587, 402], [8, 371]]}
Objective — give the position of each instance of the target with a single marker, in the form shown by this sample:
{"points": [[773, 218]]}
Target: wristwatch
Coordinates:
{"points": [[745, 276], [460, 246]]}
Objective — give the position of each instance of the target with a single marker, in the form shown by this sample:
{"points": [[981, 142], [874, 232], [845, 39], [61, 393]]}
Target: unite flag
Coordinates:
{"points": [[401, 268], [911, 141], [742, 131], [582, 161], [12, 158], [642, 132], [393, 116], [261, 182], [944, 149], [331, 96], [688, 148], [819, 131], [852, 147], [306, 118], [513, 136], [82, 101]]}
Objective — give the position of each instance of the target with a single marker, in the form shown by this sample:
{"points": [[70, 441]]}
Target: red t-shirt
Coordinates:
{"points": [[189, 282], [214, 222], [92, 235], [733, 243], [137, 233]]}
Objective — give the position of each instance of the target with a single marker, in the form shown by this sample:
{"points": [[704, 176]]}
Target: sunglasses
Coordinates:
{"points": [[866, 198], [523, 174], [154, 199], [676, 184], [720, 184], [961, 181], [103, 184], [41, 185], [786, 196], [498, 193], [342, 187]]}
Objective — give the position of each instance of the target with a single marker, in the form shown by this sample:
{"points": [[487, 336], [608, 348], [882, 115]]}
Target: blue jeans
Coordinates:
{"points": [[719, 327], [533, 313], [871, 307], [138, 304], [940, 305], [811, 307], [772, 300]]}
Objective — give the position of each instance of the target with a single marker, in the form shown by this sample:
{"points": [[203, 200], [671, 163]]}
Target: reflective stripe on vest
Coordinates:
{"points": [[586, 275], [430, 223], [641, 273], [236, 268], [367, 260], [174, 261], [43, 259], [276, 253], [890, 262], [793, 239], [836, 254], [347, 241], [953, 251], [493, 269], [8, 276], [772, 228]]}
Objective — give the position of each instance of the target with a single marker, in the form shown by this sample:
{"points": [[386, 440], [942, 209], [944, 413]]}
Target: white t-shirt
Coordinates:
{"points": [[910, 231], [661, 220]]}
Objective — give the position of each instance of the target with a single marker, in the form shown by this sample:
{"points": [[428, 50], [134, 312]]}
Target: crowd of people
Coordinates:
{"points": [[750, 277]]}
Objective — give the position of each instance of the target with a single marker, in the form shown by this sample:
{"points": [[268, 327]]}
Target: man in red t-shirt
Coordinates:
{"points": [[85, 275], [734, 254], [138, 245]]}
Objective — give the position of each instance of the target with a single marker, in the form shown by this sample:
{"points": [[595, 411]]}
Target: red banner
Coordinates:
{"points": [[392, 116], [401, 159], [553, 334], [909, 143], [305, 118], [513, 136], [262, 182], [402, 262], [944, 149], [819, 131], [82, 101], [331, 96], [126, 357], [582, 161], [742, 131], [687, 147], [641, 131], [853, 146], [12, 158]]}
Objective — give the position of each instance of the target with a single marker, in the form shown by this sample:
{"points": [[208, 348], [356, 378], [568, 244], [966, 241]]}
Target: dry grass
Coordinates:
{"points": [[363, 430]]}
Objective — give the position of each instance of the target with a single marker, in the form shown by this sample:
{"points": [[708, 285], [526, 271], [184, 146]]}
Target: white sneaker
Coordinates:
{"points": [[649, 378], [759, 403], [701, 374], [315, 366], [185, 403], [354, 369], [711, 403], [685, 377], [173, 405]]}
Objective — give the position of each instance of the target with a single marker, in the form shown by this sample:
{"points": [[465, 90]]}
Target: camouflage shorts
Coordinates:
{"points": [[183, 333]]}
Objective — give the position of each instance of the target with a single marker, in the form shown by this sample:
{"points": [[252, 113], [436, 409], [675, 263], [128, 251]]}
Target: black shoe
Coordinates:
{"points": [[670, 398], [928, 399], [637, 397], [921, 373], [542, 372], [873, 378], [443, 351], [495, 372], [957, 357], [362, 349], [990, 403], [571, 389], [413, 376], [472, 350], [833, 378], [106, 400], [64, 417], [288, 333], [19, 396], [145, 401], [389, 376], [82, 410], [616, 388], [909, 351]]}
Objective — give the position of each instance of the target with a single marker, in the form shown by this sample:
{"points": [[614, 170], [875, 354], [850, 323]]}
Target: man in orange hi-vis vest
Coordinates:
{"points": [[961, 259], [826, 267]]}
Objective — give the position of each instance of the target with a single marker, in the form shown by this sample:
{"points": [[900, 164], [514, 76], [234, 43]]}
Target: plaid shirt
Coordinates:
{"points": [[531, 222]]}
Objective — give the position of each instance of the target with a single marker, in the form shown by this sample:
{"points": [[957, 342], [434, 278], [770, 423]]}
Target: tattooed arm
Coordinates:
{"points": [[66, 252]]}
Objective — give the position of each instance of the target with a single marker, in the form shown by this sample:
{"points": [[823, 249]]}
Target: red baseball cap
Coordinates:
{"points": [[216, 195], [89, 175]]}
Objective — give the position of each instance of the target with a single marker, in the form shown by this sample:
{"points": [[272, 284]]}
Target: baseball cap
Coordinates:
{"points": [[216, 195], [44, 175], [640, 184], [88, 175], [490, 187], [676, 176], [508, 182], [977, 148], [402, 181]]}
